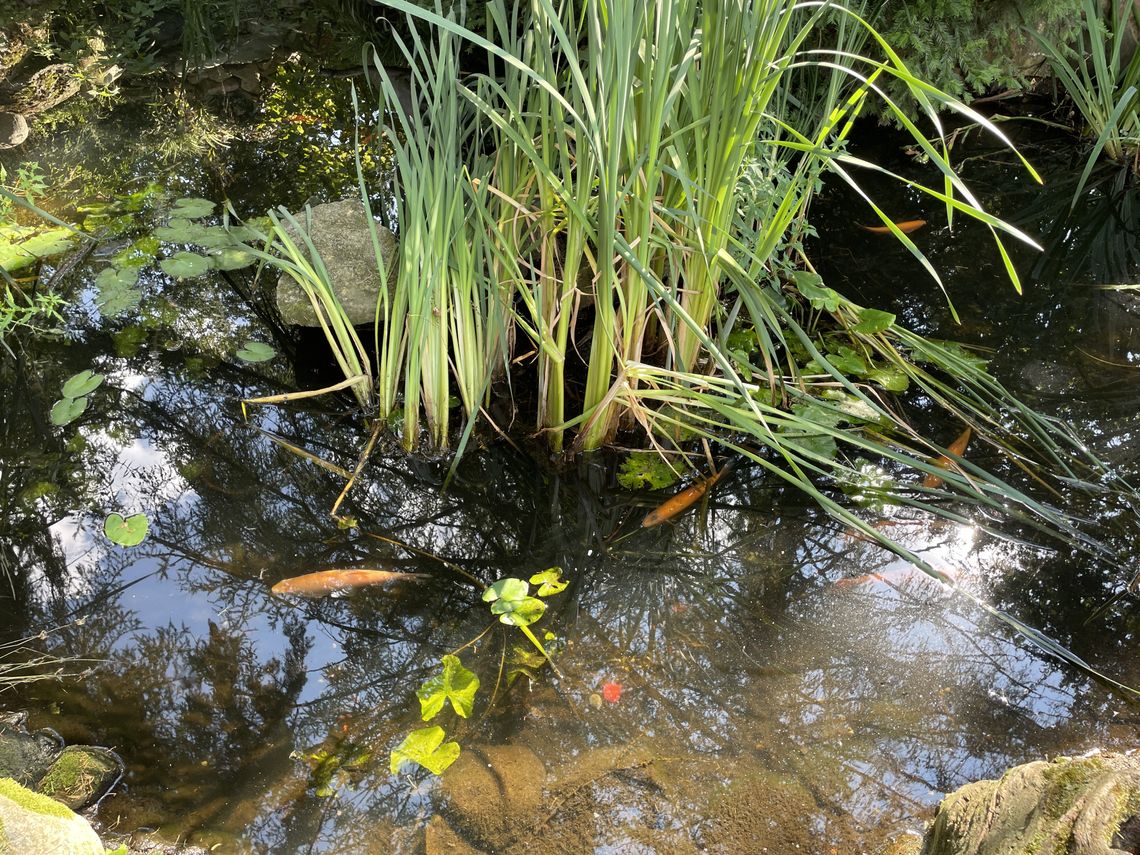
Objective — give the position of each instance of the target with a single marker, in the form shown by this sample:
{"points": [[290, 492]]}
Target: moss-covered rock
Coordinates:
{"points": [[81, 775], [32, 823], [1070, 806], [25, 757]]}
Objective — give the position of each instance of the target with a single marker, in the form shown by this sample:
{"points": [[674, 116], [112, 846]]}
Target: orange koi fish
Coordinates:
{"points": [[325, 582], [905, 226], [957, 447], [684, 500]]}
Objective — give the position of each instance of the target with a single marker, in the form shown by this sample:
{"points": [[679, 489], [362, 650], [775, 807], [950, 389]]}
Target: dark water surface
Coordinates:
{"points": [[764, 706]]}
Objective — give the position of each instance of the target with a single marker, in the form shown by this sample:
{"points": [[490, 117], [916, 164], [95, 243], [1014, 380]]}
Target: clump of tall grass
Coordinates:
{"points": [[1100, 75], [616, 204]]}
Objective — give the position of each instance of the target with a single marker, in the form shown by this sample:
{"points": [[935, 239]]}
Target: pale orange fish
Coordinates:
{"points": [[957, 447], [325, 582], [892, 576], [905, 226], [683, 500]]}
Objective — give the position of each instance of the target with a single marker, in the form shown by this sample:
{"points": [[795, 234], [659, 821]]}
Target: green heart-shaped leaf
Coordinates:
{"points": [[185, 265], [67, 410], [521, 612], [873, 321], [256, 351], [116, 278], [454, 683], [506, 589], [115, 301], [83, 383], [180, 231], [192, 208], [128, 531], [424, 748], [231, 258], [549, 582]]}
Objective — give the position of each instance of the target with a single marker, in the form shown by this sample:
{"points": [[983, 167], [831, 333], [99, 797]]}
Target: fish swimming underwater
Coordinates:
{"points": [[325, 582], [904, 226], [685, 499], [957, 447]]}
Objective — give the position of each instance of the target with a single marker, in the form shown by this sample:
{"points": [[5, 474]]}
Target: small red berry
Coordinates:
{"points": [[611, 692]]}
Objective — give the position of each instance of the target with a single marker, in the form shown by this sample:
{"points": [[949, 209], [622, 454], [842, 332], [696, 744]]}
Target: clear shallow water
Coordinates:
{"points": [[767, 700]]}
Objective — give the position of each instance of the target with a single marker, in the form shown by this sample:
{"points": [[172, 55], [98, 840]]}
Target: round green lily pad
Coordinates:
{"points": [[67, 410], [231, 258], [128, 531], [83, 383], [256, 351], [192, 208], [185, 265]]}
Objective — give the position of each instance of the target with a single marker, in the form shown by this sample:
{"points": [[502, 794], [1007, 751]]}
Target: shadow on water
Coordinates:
{"points": [[782, 682]]}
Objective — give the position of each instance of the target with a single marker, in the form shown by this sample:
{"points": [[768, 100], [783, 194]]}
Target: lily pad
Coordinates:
{"points": [[549, 582], [128, 531], [67, 410], [231, 258], [181, 231], [185, 265], [425, 747], [873, 321], [83, 383], [117, 277], [508, 588], [521, 612], [115, 301], [192, 208], [256, 351], [454, 683], [645, 469]]}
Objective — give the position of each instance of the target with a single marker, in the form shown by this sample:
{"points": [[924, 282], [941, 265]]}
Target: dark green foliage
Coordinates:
{"points": [[968, 48]]}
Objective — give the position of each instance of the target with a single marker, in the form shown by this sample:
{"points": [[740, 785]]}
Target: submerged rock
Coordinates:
{"points": [[1069, 806], [31, 823], [339, 232], [488, 785], [81, 775]]}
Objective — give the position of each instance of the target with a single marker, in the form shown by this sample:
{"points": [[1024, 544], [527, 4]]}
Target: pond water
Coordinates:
{"points": [[784, 685]]}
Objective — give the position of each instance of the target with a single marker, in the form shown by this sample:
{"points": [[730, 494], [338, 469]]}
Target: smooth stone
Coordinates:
{"points": [[339, 232], [13, 130], [31, 823]]}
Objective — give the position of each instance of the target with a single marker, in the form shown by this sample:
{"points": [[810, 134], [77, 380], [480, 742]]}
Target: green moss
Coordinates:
{"points": [[1067, 780], [33, 801]]}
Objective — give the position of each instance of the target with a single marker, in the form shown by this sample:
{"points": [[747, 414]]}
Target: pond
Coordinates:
{"points": [[752, 677]]}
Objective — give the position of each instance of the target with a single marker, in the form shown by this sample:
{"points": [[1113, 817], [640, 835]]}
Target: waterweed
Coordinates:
{"points": [[457, 686]]}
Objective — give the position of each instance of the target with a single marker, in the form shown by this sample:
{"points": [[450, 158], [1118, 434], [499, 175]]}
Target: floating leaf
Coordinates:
{"points": [[425, 747], [192, 208], [185, 265], [138, 254], [83, 383], [645, 470], [128, 531], [873, 321], [811, 286], [454, 683], [116, 277], [231, 258], [115, 301], [506, 589], [256, 351], [848, 361], [181, 231], [521, 612], [67, 410], [891, 379], [549, 582]]}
